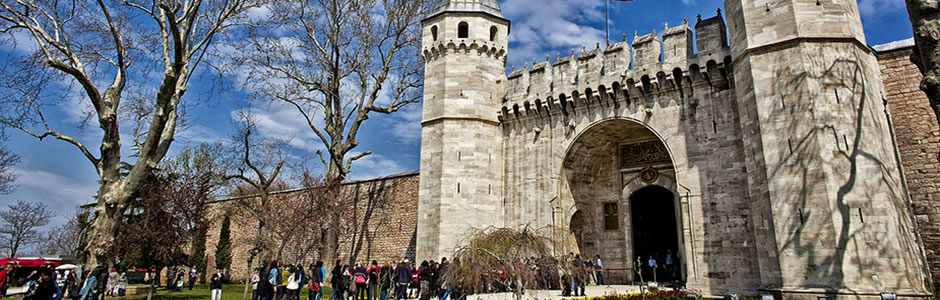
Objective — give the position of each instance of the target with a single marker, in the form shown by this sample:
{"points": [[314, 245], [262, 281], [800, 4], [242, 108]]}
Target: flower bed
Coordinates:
{"points": [[651, 295]]}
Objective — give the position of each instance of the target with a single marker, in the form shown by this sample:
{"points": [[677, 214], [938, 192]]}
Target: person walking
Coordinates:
{"points": [[265, 288], [69, 288], [402, 279], [315, 287], [4, 279], [113, 277], [336, 280], [282, 286], [274, 278], [215, 284], [180, 280], [255, 279], [88, 289], [361, 279], [44, 287], [385, 280], [122, 284], [424, 281], [293, 284], [442, 279], [373, 274], [652, 265], [599, 269], [668, 263], [192, 277]]}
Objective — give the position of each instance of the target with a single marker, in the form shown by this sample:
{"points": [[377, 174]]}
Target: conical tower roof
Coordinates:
{"points": [[485, 6]]}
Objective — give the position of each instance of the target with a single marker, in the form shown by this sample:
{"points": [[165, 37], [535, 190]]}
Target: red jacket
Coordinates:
{"points": [[3, 278]]}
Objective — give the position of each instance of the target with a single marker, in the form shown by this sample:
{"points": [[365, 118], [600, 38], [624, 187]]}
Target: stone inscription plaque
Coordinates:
{"points": [[642, 154]]}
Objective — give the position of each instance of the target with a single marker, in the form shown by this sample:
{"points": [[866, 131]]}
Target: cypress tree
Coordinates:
{"points": [[223, 251]]}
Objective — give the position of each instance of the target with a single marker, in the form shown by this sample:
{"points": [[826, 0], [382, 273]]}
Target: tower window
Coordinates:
{"points": [[434, 32], [463, 30], [493, 31]]}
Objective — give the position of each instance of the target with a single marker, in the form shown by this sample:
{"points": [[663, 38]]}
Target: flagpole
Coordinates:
{"points": [[606, 22]]}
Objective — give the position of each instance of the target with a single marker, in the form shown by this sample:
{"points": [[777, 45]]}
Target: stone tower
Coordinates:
{"points": [[829, 209], [464, 47]]}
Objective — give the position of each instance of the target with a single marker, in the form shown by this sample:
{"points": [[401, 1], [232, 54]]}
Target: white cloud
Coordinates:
{"points": [[281, 121], [407, 124], [373, 166], [543, 29], [258, 14], [197, 134], [875, 8], [22, 42], [60, 193]]}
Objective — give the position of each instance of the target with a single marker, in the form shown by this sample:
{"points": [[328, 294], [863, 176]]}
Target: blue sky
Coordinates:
{"points": [[55, 173]]}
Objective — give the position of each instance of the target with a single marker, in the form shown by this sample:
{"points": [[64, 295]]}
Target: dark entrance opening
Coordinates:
{"points": [[654, 233]]}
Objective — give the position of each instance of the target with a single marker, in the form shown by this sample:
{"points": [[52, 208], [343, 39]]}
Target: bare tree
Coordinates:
{"points": [[21, 223], [170, 211], [503, 258], [64, 239], [925, 17], [7, 176], [259, 171], [337, 61], [110, 51]]}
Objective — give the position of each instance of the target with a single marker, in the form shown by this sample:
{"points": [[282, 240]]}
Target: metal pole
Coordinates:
{"points": [[606, 22]]}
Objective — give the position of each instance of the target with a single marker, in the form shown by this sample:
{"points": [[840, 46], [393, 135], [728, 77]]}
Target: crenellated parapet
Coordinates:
{"points": [[466, 46], [649, 66]]}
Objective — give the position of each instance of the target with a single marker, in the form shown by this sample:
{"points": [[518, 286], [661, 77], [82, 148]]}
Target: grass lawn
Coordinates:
{"points": [[201, 292]]}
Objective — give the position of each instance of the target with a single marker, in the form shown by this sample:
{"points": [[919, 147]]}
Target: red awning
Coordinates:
{"points": [[29, 263]]}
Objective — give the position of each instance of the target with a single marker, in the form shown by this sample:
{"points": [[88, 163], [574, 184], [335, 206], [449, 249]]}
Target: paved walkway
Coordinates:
{"points": [[590, 291]]}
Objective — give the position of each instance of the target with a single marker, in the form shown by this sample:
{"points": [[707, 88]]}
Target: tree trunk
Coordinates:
{"points": [[248, 280], [108, 213], [925, 17]]}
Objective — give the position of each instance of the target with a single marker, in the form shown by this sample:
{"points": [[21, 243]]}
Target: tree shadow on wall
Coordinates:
{"points": [[370, 203], [832, 238]]}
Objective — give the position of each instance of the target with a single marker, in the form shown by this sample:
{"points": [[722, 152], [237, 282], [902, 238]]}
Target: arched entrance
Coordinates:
{"points": [[621, 183], [654, 231]]}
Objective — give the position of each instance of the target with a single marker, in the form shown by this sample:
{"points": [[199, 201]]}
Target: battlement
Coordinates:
{"points": [[482, 47], [656, 64]]}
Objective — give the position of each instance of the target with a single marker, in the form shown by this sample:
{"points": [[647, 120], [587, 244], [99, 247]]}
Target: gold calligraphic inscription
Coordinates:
{"points": [[634, 155], [649, 175]]}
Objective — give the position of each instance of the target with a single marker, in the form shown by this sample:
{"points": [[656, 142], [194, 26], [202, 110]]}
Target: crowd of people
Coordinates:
{"points": [[404, 280], [410, 280], [372, 282]]}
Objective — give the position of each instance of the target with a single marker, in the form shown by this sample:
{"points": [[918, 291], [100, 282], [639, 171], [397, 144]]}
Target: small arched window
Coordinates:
{"points": [[434, 32], [493, 31], [463, 30]]}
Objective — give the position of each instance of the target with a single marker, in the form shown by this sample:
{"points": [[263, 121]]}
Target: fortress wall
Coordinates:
{"points": [[388, 204], [647, 63], [693, 110], [918, 138]]}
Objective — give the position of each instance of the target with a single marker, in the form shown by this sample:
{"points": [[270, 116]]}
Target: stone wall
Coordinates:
{"points": [[918, 138], [385, 221]]}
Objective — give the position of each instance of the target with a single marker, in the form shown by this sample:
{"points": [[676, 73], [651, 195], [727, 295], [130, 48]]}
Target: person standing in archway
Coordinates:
{"points": [[668, 265], [652, 266]]}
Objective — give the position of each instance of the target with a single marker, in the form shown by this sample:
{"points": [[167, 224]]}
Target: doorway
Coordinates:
{"points": [[654, 233]]}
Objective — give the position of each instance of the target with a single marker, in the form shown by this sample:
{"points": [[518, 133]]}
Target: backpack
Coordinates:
{"points": [[360, 278]]}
